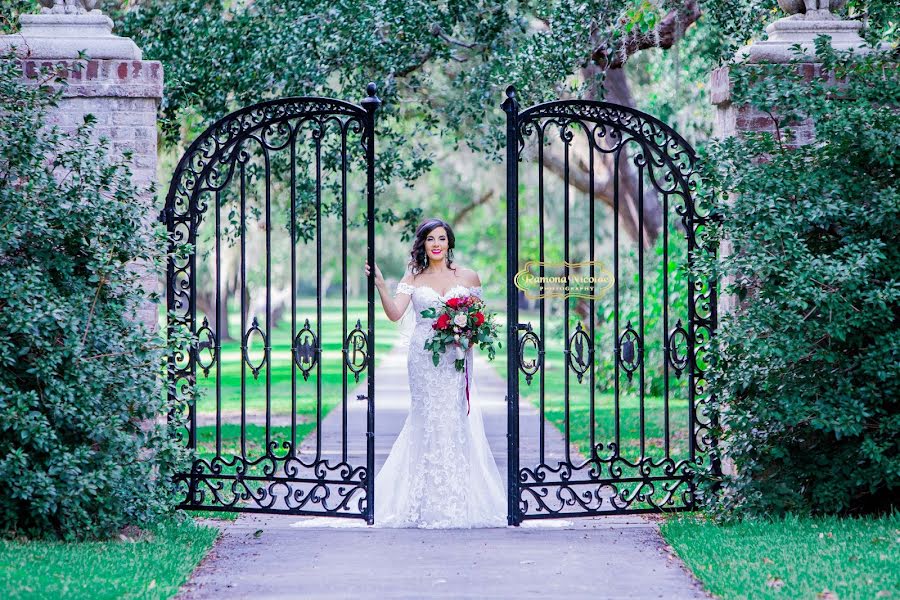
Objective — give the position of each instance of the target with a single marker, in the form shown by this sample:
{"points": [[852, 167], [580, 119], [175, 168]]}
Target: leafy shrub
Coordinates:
{"points": [[83, 450], [807, 368]]}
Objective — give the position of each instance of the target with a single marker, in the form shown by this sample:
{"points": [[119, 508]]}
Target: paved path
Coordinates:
{"points": [[262, 556]]}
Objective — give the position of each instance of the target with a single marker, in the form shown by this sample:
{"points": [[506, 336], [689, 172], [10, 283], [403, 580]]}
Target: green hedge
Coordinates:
{"points": [[82, 449], [807, 369]]}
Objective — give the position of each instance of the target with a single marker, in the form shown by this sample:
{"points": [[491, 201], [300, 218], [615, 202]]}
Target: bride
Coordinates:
{"points": [[440, 472]]}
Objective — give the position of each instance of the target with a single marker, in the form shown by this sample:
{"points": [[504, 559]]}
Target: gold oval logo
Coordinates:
{"points": [[558, 284]]}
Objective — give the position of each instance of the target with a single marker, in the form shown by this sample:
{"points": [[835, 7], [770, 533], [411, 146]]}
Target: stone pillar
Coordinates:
{"points": [[801, 27], [113, 84]]}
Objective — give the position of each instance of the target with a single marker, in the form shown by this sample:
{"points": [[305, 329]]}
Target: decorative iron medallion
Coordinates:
{"points": [[245, 348], [630, 351], [530, 367], [356, 350], [306, 350], [677, 348], [580, 352], [207, 353]]}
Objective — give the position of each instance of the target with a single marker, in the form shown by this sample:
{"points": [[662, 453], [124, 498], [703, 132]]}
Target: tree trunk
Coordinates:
{"points": [[218, 323]]}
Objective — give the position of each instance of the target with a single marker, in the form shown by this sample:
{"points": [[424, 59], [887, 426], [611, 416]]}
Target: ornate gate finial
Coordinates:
{"points": [[69, 7]]}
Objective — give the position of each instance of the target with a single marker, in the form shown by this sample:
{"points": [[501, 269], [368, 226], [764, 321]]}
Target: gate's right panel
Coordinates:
{"points": [[607, 392]]}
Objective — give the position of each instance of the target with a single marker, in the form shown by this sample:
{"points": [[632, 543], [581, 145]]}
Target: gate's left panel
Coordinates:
{"points": [[267, 216]]}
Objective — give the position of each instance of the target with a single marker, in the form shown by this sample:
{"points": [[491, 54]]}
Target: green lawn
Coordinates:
{"points": [[256, 437], [147, 568], [796, 558]]}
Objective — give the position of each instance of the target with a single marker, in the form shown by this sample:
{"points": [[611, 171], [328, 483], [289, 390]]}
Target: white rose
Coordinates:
{"points": [[460, 353], [460, 320]]}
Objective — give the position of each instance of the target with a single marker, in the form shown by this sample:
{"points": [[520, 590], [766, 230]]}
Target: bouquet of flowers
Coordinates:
{"points": [[461, 323]]}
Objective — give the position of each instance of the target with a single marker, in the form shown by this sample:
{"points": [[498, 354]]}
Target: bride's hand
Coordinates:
{"points": [[379, 280]]}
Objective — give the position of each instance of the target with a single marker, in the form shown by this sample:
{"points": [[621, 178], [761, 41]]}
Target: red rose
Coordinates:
{"points": [[479, 319], [456, 302], [443, 322]]}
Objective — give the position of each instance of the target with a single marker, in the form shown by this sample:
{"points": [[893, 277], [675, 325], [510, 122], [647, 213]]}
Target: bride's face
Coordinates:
{"points": [[436, 244]]}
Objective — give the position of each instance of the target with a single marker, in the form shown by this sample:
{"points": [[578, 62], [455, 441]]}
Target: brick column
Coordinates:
{"points": [[107, 78]]}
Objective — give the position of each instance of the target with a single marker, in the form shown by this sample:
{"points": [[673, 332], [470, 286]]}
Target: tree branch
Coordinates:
{"points": [[579, 178], [436, 30], [464, 213], [667, 32]]}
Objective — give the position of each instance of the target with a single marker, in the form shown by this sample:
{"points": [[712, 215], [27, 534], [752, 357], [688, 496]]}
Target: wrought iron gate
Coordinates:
{"points": [[633, 416], [251, 199]]}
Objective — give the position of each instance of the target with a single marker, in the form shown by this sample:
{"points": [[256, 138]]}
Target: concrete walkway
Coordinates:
{"points": [[606, 557]]}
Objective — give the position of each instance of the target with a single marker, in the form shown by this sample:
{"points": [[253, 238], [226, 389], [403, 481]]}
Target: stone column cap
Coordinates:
{"points": [[800, 29], [64, 36]]}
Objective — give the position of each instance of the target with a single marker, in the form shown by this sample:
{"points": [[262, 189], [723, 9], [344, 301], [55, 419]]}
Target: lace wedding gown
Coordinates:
{"points": [[440, 472]]}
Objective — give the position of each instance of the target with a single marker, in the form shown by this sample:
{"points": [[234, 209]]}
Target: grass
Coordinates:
{"points": [[148, 568], [797, 557], [256, 438]]}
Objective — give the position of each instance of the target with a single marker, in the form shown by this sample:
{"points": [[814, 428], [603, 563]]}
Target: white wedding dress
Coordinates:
{"points": [[440, 473]]}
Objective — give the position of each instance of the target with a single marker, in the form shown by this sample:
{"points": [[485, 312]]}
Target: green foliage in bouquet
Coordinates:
{"points": [[807, 367], [480, 327], [84, 444]]}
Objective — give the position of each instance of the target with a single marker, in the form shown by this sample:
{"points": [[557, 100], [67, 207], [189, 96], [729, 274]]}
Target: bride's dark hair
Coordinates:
{"points": [[419, 259]]}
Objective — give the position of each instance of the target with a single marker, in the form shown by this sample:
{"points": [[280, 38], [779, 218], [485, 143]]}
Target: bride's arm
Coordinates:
{"points": [[395, 306], [474, 279]]}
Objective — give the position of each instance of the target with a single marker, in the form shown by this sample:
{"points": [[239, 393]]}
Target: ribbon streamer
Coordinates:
{"points": [[468, 406]]}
